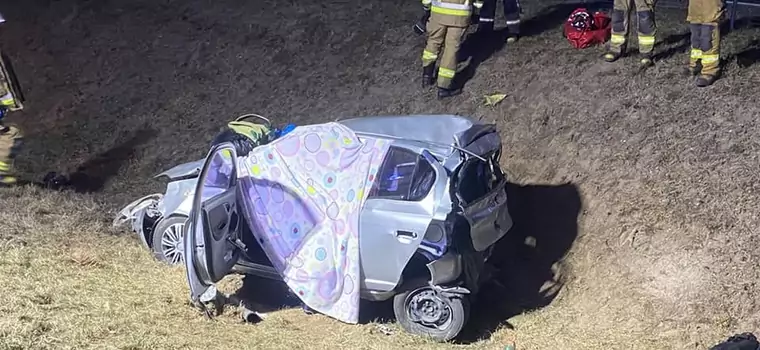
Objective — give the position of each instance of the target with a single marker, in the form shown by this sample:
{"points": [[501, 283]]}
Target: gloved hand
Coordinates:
{"points": [[420, 26]]}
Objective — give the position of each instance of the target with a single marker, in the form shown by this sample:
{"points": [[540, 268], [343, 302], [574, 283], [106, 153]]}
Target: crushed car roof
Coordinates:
{"points": [[442, 129]]}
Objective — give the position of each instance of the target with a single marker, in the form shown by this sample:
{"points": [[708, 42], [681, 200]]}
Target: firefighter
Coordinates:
{"points": [[446, 27], [512, 12], [10, 136], [703, 19], [647, 29]]}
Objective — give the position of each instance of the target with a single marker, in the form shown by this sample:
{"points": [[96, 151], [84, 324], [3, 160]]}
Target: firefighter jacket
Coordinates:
{"points": [[450, 13]]}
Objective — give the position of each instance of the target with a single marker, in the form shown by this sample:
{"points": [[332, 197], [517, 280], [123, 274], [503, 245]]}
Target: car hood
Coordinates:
{"points": [[183, 170]]}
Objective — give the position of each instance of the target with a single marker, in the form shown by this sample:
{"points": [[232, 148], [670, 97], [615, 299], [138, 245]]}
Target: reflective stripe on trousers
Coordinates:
{"points": [[696, 54], [710, 59], [446, 73], [428, 57], [647, 40]]}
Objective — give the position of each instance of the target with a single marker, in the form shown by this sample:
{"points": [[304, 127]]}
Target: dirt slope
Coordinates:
{"points": [[645, 185]]}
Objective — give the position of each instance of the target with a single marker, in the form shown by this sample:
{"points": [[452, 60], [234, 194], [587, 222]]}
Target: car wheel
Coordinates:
{"points": [[167, 239], [423, 311]]}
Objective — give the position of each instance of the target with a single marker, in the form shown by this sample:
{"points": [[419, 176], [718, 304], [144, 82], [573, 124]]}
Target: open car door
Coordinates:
{"points": [[214, 223], [481, 191]]}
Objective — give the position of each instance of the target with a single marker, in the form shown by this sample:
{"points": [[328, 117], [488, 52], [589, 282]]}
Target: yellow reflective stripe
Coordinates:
{"points": [[7, 100], [617, 39], [227, 154], [646, 39], [710, 58], [427, 55], [5, 166], [450, 9], [696, 54], [426, 2], [450, 12], [446, 73], [7, 180]]}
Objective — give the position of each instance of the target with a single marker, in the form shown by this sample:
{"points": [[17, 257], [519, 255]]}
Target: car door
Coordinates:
{"points": [[397, 214], [481, 190], [214, 222]]}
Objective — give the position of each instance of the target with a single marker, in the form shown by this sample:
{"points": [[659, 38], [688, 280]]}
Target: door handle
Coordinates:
{"points": [[406, 234]]}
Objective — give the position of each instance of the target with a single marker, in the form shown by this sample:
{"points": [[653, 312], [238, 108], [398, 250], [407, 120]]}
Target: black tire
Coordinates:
{"points": [[160, 229], [459, 309]]}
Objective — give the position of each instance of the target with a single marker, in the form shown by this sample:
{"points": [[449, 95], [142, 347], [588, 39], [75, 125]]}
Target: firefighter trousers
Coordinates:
{"points": [[10, 142], [487, 15], [704, 17], [444, 41], [646, 27]]}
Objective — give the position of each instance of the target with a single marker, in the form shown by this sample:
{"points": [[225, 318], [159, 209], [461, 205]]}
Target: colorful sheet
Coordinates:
{"points": [[303, 194]]}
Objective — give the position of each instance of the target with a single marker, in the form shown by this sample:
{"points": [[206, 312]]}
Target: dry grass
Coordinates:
{"points": [[653, 243]]}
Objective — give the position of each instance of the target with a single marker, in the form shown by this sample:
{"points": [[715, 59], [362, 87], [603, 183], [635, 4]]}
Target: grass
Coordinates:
{"points": [[636, 192]]}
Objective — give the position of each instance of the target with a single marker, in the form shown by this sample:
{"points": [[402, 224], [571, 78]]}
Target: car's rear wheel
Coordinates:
{"points": [[168, 239], [423, 311]]}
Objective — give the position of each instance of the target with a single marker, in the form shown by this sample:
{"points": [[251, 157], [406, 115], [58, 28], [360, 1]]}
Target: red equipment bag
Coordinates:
{"points": [[582, 29]]}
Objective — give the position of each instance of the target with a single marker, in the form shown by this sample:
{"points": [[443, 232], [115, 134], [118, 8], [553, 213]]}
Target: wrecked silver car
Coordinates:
{"points": [[402, 207]]}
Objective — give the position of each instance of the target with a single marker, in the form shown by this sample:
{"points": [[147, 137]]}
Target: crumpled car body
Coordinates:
{"points": [[425, 229]]}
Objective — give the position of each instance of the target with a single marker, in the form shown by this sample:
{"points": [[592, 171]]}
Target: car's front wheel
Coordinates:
{"points": [[423, 311], [168, 239]]}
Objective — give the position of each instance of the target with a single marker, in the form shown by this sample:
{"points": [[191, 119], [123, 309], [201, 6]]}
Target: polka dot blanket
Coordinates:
{"points": [[303, 194]]}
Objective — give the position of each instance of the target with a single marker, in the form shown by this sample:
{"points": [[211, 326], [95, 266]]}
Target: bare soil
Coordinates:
{"points": [[635, 194]]}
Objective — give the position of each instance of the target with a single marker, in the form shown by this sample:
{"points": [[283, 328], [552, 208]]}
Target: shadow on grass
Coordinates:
{"points": [[92, 175], [528, 260]]}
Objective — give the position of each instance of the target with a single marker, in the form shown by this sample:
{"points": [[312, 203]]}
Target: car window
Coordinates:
{"points": [[218, 177], [404, 175]]}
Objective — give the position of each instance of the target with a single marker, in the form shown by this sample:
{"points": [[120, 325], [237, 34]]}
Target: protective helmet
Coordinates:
{"points": [[581, 20]]}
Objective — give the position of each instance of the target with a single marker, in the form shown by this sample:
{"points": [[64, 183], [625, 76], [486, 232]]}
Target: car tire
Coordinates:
{"points": [[458, 308], [169, 229]]}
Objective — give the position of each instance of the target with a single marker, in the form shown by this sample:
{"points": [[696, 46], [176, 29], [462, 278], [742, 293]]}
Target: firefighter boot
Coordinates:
{"points": [[428, 77], [446, 93], [611, 56], [646, 60], [705, 80]]}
